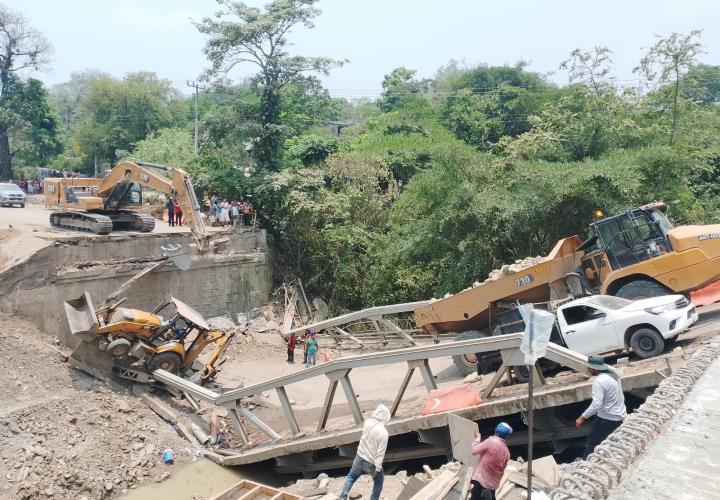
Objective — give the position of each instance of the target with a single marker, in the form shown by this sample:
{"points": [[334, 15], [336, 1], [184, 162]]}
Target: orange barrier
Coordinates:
{"points": [[451, 398], [708, 295]]}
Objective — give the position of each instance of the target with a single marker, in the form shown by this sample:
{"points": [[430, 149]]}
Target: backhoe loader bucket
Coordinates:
{"points": [[83, 322], [81, 315]]}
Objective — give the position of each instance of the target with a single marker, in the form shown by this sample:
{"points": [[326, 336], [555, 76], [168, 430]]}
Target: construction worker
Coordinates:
{"points": [[494, 456], [608, 404], [370, 453]]}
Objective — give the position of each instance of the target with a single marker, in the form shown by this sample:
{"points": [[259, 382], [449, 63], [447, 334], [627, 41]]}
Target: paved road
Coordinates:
{"points": [[683, 463]]}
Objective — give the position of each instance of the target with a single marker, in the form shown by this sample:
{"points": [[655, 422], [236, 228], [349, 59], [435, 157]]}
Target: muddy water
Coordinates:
{"points": [[201, 479]]}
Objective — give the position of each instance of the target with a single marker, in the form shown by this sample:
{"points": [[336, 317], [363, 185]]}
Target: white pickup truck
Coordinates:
{"points": [[603, 324]]}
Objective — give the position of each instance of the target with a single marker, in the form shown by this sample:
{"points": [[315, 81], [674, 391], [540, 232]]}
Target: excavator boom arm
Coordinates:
{"points": [[179, 186]]}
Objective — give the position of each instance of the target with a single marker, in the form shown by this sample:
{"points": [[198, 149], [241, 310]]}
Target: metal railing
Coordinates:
{"points": [[338, 372]]}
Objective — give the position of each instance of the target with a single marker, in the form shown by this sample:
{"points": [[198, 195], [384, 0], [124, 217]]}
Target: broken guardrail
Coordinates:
{"points": [[338, 372]]}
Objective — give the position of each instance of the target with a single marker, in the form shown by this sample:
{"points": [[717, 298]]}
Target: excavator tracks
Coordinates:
{"points": [[132, 221], [82, 221], [103, 223]]}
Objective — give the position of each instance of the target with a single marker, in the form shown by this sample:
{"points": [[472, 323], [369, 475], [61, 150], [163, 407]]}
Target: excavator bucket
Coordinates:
{"points": [[180, 255]]}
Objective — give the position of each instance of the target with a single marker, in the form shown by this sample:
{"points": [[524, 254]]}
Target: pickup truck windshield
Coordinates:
{"points": [[609, 301]]}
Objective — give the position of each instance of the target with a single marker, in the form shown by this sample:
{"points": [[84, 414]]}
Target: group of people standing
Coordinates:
{"points": [[235, 213], [174, 212], [310, 348], [30, 186]]}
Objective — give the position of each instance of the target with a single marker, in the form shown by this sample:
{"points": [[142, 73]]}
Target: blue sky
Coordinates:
{"points": [[120, 36]]}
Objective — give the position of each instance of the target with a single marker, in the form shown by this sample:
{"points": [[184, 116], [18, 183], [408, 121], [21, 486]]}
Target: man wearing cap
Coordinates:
{"points": [[494, 456], [608, 404]]}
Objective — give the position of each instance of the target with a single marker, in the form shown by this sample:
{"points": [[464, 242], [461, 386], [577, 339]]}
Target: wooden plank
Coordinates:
{"points": [[252, 493], [246, 490]]}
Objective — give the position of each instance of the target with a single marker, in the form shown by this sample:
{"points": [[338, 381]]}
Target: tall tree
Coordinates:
{"points": [[400, 88], [118, 113], [68, 95], [667, 61], [21, 47], [241, 34], [35, 136], [590, 68]]}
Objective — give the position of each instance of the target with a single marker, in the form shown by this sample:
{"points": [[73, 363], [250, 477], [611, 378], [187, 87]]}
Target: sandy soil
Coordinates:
{"points": [[65, 435]]}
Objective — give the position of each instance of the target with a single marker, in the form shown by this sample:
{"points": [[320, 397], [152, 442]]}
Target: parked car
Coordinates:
{"points": [[11, 194], [602, 324]]}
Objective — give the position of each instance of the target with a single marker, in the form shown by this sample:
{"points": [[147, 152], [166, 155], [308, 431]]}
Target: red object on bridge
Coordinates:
{"points": [[451, 398], [708, 295]]}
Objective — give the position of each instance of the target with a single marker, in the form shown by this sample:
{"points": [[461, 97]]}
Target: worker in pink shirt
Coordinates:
{"points": [[494, 456]]}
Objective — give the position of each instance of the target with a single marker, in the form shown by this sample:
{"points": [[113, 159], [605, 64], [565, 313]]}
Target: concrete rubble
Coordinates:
{"points": [[65, 435]]}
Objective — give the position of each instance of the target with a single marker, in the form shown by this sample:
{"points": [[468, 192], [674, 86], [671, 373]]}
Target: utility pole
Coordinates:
{"points": [[197, 92]]}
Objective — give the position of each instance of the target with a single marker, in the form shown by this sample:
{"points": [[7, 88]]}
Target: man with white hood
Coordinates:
{"points": [[370, 453]]}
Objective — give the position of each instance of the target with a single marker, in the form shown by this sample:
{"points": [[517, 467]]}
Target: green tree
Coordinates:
{"points": [[242, 34], [68, 96], [489, 103], [701, 85], [35, 137], [118, 113], [168, 146], [666, 62], [400, 88], [21, 47]]}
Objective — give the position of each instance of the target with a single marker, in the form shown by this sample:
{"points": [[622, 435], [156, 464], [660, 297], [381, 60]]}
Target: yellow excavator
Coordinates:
{"points": [[114, 203], [131, 343]]}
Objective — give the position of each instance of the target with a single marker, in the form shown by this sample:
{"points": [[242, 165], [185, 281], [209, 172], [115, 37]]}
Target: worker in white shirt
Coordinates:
{"points": [[608, 404], [370, 453]]}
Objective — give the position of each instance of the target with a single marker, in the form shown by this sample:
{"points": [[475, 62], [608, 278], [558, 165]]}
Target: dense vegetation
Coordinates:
{"points": [[428, 187]]}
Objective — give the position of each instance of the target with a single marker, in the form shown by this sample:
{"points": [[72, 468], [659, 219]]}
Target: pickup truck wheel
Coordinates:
{"points": [[647, 343], [467, 363], [642, 289], [522, 374]]}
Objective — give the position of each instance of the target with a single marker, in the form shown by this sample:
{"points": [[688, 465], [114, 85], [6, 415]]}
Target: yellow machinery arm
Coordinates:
{"points": [[178, 186]]}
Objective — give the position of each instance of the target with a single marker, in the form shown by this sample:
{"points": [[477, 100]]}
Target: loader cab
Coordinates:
{"points": [[179, 320], [633, 236]]}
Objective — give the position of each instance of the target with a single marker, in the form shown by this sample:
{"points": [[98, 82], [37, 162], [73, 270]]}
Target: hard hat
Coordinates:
{"points": [[503, 429]]}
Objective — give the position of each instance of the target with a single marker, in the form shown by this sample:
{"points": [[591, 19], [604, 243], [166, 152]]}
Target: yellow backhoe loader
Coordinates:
{"points": [[114, 202], [131, 343]]}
